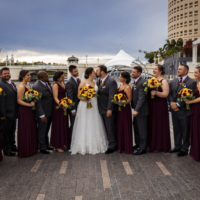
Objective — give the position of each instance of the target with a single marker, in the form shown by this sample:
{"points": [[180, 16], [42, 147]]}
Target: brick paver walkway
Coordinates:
{"points": [[115, 176]]}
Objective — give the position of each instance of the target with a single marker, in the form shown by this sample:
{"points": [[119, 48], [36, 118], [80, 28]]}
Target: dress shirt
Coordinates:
{"points": [[136, 80], [10, 82], [102, 80]]}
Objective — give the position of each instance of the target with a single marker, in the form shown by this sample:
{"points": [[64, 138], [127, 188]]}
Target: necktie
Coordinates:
{"points": [[48, 87], [12, 86], [180, 81], [77, 80]]}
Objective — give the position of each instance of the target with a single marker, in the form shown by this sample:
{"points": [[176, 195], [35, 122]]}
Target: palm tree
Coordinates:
{"points": [[167, 46]]}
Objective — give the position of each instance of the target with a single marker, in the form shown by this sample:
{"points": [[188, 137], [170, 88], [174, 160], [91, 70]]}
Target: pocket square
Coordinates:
{"points": [[135, 88], [104, 87]]}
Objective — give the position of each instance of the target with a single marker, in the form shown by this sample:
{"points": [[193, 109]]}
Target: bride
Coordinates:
{"points": [[89, 134]]}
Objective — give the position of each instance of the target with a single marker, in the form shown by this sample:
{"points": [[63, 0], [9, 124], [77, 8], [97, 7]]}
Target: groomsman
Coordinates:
{"points": [[8, 113], [107, 88], [180, 115], [44, 109], [72, 92], [141, 111]]}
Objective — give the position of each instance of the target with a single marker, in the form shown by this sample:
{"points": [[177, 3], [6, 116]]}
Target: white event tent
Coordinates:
{"points": [[121, 59]]}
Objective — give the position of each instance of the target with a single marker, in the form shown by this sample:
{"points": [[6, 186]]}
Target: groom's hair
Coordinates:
{"points": [[138, 68], [186, 67], [103, 68], [71, 67]]}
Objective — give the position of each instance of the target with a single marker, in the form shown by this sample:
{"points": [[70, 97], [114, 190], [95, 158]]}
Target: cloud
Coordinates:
{"points": [[63, 27]]}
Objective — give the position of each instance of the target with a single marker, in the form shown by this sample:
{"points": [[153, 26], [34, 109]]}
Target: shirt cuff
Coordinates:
{"points": [[177, 104], [73, 111], [42, 116]]}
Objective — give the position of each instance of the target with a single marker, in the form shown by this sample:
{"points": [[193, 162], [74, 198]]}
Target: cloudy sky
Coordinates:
{"points": [[52, 30]]}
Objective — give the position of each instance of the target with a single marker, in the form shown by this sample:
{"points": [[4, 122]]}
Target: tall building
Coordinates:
{"points": [[183, 19]]}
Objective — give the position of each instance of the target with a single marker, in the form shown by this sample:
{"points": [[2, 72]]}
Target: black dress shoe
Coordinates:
{"points": [[136, 147], [14, 149], [50, 148], [182, 153], [109, 151], [10, 154], [174, 150], [44, 151], [140, 152]]}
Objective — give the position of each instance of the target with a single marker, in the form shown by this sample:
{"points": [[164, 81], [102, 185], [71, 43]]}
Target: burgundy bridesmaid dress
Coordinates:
{"points": [[1, 156], [124, 129], [60, 137], [195, 129], [158, 124], [27, 131]]}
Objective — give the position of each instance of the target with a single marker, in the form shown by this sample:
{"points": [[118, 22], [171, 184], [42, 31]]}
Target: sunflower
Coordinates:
{"points": [[65, 98], [64, 101], [36, 93], [70, 101], [94, 92], [26, 92], [89, 95], [90, 90], [120, 95], [85, 88], [84, 95]]}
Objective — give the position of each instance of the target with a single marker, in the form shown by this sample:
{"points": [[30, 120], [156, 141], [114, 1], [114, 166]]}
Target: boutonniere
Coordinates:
{"points": [[14, 84], [50, 83], [103, 83], [134, 84], [182, 84]]}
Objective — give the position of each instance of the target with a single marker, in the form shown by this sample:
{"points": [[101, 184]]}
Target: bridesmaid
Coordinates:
{"points": [[194, 120], [27, 127], [124, 117], [60, 138], [158, 124]]}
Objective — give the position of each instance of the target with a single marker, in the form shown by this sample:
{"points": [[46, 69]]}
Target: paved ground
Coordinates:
{"points": [[115, 176], [102, 177]]}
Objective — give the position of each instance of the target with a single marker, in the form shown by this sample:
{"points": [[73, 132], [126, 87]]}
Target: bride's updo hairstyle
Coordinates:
{"points": [[88, 71], [126, 76]]}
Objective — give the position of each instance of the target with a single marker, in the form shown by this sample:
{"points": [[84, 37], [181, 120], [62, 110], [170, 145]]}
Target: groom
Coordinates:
{"points": [[107, 88]]}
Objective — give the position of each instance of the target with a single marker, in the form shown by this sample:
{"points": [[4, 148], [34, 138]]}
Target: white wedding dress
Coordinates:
{"points": [[89, 134]]}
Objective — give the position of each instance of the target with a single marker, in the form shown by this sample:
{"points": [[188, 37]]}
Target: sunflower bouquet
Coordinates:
{"points": [[65, 103], [32, 95], [120, 99], [184, 95], [151, 84], [87, 93], [2, 92]]}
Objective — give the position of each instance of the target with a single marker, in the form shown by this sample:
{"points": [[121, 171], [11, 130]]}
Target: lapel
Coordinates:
{"points": [[44, 86], [104, 81], [15, 90]]}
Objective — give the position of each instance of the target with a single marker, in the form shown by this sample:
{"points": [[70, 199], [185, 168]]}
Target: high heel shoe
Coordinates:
{"points": [[60, 150]]}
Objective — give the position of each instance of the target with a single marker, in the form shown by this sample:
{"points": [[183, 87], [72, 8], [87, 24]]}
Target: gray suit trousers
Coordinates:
{"points": [[43, 130], [181, 128], [140, 131], [110, 126]]}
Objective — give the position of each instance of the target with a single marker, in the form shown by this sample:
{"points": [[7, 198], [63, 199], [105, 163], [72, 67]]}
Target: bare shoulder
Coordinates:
{"points": [[164, 81], [82, 84], [55, 85], [21, 87]]}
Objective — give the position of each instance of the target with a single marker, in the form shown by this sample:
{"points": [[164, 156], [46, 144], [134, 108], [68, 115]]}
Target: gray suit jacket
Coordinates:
{"points": [[139, 99], [72, 92], [106, 94], [8, 104], [45, 105], [173, 94]]}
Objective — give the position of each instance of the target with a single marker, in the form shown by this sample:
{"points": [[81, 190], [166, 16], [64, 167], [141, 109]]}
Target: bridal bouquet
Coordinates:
{"points": [[65, 103], [120, 99], [151, 84], [32, 95], [2, 92], [87, 93], [184, 95]]}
